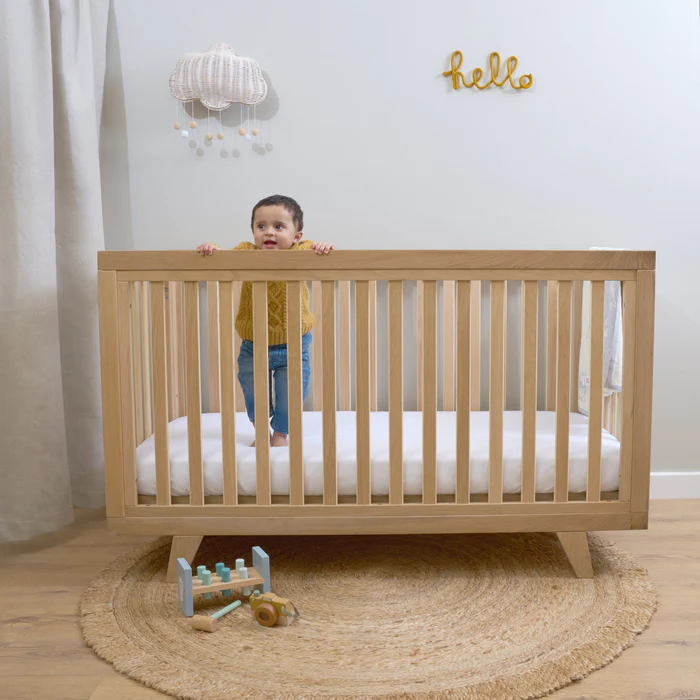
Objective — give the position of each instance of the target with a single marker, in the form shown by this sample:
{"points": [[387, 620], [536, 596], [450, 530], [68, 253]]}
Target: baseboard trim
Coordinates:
{"points": [[666, 485]]}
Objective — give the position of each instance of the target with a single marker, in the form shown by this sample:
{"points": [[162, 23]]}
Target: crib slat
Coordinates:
{"points": [[419, 348], [529, 375], [362, 391], [373, 345], [395, 392], [160, 393], [330, 479], [317, 346], [176, 348], [576, 348], [168, 345], [344, 373], [462, 417], [138, 360], [497, 390], [126, 378], [595, 412], [146, 363], [629, 318], [429, 392], [194, 393], [295, 391], [213, 346], [475, 349], [237, 289], [228, 401], [563, 404], [448, 345], [262, 396], [551, 362]]}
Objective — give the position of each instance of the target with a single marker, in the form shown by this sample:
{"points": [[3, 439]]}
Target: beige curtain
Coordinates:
{"points": [[52, 67]]}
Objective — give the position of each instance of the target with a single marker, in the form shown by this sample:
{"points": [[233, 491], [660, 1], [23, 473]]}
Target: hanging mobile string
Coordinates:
{"points": [[193, 121], [242, 131], [255, 130], [177, 126], [220, 133], [208, 136]]}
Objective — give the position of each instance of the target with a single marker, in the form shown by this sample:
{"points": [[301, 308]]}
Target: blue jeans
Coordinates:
{"points": [[277, 371]]}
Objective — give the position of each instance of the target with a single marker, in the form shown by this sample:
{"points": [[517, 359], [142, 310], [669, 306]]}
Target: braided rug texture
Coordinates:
{"points": [[478, 617]]}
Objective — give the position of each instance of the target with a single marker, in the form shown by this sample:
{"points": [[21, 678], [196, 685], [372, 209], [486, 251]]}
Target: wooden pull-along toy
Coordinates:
{"points": [[224, 581], [208, 623], [270, 609]]}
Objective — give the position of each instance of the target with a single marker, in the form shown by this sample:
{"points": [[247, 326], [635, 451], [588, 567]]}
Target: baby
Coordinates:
{"points": [[277, 224]]}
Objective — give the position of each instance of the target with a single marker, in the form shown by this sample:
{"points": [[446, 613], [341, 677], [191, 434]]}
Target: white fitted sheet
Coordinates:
{"points": [[379, 446]]}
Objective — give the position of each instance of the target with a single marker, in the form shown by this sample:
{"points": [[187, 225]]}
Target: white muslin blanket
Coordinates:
{"points": [[612, 342]]}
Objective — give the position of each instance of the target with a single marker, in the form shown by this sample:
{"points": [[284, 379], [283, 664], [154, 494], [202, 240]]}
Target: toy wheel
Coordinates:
{"points": [[266, 614]]}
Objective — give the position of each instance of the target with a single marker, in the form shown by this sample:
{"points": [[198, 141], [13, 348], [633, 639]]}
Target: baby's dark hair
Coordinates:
{"points": [[288, 203]]}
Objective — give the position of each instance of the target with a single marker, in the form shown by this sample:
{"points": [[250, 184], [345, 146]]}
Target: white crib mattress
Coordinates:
{"points": [[379, 446]]}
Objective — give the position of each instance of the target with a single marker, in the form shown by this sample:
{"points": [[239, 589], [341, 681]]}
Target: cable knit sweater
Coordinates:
{"points": [[276, 305]]}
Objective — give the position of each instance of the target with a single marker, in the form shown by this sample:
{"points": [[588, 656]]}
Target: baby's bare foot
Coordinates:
{"points": [[278, 440]]}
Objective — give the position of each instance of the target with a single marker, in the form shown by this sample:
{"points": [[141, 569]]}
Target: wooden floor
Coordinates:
{"points": [[42, 654]]}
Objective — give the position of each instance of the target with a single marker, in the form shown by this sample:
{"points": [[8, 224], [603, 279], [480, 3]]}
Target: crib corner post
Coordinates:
{"points": [[111, 392], [643, 375]]}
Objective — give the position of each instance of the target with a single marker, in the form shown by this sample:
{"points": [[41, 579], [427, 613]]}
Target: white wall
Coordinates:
{"points": [[382, 153]]}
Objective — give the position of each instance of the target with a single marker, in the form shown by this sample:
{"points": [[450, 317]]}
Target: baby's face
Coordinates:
{"points": [[274, 229]]}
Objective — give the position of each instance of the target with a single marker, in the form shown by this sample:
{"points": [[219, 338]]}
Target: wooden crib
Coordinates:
{"points": [[157, 308]]}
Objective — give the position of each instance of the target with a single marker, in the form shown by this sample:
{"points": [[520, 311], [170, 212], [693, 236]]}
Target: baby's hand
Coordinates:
{"points": [[322, 248], [207, 248]]}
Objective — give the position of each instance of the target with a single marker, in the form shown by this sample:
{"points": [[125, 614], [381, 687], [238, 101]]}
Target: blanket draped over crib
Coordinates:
{"points": [[612, 342]]}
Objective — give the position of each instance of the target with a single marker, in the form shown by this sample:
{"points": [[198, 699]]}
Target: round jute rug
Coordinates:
{"points": [[445, 616]]}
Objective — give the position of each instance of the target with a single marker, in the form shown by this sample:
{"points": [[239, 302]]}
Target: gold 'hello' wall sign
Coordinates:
{"points": [[523, 83]]}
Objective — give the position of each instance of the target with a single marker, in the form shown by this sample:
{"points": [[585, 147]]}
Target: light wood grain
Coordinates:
{"points": [[295, 392], [661, 663], [181, 548], [644, 367], [146, 362], [529, 391], [330, 476], [475, 347], [576, 342], [595, 413], [160, 392], [429, 392], [213, 346], [563, 403], [396, 392], [419, 347], [176, 349], [321, 274], [228, 394], [317, 346], [138, 359], [262, 397], [111, 393], [172, 408], [373, 345], [448, 345], [629, 319], [497, 390], [551, 362], [575, 546], [362, 391], [463, 385], [194, 393], [126, 382], [344, 372], [380, 259]]}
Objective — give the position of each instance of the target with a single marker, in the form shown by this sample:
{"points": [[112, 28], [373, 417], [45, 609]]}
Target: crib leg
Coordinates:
{"points": [[185, 547], [575, 546]]}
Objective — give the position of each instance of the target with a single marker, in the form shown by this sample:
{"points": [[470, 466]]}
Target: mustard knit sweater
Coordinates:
{"points": [[276, 305]]}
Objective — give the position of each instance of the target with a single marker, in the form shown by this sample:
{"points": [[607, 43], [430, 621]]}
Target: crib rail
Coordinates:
{"points": [[156, 308]]}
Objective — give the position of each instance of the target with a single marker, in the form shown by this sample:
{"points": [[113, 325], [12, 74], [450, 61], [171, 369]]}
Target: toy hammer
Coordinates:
{"points": [[208, 623]]}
